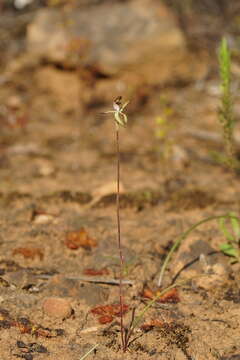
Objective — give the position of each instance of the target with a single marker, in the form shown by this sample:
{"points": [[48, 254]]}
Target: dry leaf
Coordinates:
{"points": [[153, 323], [109, 309], [76, 239], [148, 293], [105, 319], [171, 296], [29, 252], [93, 272], [107, 312]]}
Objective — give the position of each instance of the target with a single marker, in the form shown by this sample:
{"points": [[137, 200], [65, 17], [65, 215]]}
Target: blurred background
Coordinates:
{"points": [[64, 61]]}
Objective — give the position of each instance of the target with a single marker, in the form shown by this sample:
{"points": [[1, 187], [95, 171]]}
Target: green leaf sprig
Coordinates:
{"points": [[231, 247]]}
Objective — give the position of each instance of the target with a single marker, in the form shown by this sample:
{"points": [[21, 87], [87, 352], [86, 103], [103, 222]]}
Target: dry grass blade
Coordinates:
{"points": [[89, 352]]}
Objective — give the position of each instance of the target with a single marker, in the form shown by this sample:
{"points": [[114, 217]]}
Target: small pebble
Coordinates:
{"points": [[43, 219], [14, 102], [44, 167], [57, 307], [38, 348], [21, 344], [27, 356], [217, 276]]}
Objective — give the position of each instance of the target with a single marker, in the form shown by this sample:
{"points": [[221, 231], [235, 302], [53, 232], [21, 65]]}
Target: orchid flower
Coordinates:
{"points": [[120, 118]]}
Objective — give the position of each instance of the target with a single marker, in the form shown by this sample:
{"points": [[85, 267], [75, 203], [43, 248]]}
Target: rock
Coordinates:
{"points": [[44, 218], [44, 167], [104, 190], [57, 307], [180, 157], [91, 294], [38, 36], [20, 279], [217, 275], [139, 36], [63, 86], [20, 4], [190, 250], [14, 102]]}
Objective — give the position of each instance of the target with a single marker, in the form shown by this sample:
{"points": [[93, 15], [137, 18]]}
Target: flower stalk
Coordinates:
{"points": [[120, 119]]}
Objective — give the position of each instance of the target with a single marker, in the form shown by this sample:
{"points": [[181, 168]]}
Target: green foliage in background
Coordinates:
{"points": [[163, 127], [226, 117]]}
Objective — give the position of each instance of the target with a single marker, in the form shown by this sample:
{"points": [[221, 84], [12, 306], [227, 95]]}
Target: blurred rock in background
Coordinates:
{"points": [[100, 48], [205, 22]]}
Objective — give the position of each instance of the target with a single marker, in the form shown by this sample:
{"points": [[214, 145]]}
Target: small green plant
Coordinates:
{"points": [[232, 246], [129, 331], [226, 117]]}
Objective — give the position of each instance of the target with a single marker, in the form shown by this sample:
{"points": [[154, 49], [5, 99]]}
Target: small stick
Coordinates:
{"points": [[103, 280], [95, 279], [89, 352]]}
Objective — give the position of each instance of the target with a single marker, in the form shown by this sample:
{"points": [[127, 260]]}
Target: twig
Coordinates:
{"points": [[95, 279], [104, 280], [89, 352]]}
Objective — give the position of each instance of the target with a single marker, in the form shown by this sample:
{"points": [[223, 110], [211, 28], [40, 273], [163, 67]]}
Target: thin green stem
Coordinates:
{"points": [[182, 237]]}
